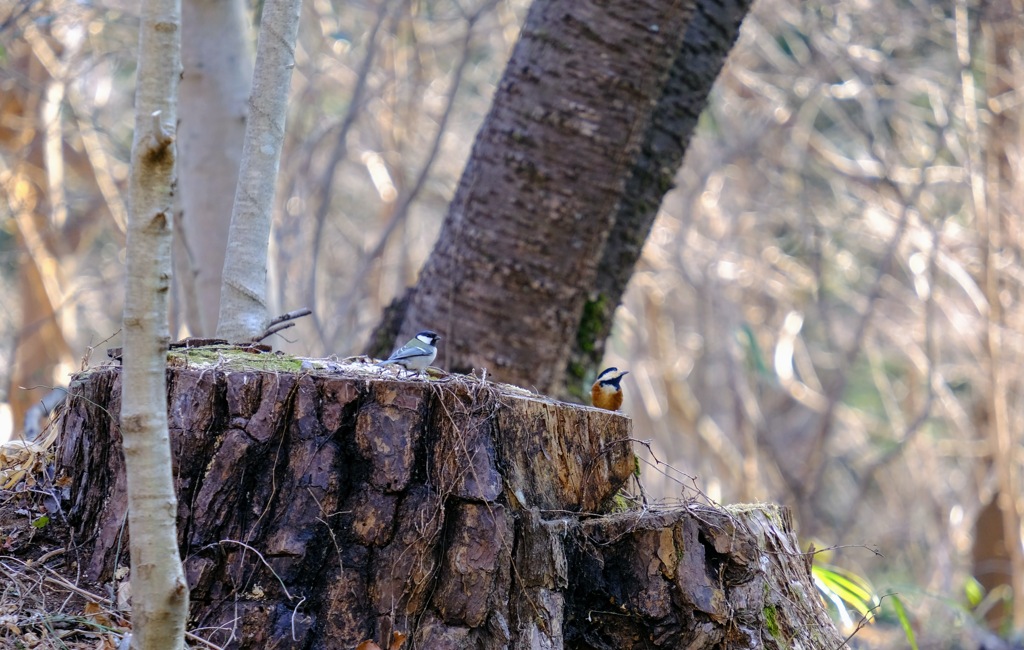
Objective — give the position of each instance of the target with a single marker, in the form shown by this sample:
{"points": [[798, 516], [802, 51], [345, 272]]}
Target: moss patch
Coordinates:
{"points": [[228, 357], [771, 621]]}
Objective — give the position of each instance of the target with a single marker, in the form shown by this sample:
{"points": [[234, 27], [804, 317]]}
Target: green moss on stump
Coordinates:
{"points": [[228, 357]]}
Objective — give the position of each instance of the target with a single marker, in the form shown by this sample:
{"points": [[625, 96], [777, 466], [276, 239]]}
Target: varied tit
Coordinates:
{"points": [[606, 392], [417, 354]]}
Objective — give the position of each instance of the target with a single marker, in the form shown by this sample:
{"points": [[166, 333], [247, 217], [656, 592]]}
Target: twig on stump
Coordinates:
{"points": [[276, 325]]}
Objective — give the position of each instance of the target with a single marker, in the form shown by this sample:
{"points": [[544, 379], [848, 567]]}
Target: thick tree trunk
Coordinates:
{"points": [[708, 41], [535, 202], [320, 510]]}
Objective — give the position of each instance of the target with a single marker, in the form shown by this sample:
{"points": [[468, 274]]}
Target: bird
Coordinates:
{"points": [[417, 354], [606, 393]]}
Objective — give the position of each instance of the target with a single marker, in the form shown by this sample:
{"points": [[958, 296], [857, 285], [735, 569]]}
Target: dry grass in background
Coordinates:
{"points": [[812, 322]]}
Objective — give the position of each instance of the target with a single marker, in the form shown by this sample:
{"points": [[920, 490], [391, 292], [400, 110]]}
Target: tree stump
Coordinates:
{"points": [[320, 509]]}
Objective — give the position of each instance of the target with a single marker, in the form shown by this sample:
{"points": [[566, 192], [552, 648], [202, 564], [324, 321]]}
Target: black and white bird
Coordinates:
{"points": [[417, 354]]}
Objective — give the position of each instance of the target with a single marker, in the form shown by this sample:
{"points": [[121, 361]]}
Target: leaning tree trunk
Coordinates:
{"points": [[535, 203], [707, 42], [322, 509]]}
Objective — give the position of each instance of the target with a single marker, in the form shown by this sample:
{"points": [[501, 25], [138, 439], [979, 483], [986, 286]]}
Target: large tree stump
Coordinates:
{"points": [[321, 509]]}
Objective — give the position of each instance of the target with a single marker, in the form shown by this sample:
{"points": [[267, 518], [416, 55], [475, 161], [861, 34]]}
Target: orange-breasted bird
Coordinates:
{"points": [[606, 392]]}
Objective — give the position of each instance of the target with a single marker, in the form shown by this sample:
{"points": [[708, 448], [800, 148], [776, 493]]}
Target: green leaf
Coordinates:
{"points": [[901, 613], [974, 591], [848, 587], [755, 357], [41, 522]]}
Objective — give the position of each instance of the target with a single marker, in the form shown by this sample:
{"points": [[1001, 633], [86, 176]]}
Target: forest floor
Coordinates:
{"points": [[43, 602]]}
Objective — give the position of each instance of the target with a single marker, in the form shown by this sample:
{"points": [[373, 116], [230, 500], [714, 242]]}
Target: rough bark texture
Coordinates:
{"points": [[708, 41], [321, 510], [214, 99], [535, 203], [694, 577]]}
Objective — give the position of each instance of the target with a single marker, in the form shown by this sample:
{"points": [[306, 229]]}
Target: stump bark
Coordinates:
{"points": [[321, 509]]}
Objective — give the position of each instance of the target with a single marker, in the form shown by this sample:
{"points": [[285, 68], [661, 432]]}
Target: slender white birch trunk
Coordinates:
{"points": [[243, 298], [159, 589], [213, 101]]}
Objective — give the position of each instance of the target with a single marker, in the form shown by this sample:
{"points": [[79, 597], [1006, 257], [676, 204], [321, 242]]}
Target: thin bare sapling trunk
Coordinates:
{"points": [[243, 298], [159, 589], [213, 100]]}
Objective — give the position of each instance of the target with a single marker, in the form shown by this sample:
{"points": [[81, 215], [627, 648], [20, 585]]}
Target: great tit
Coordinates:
{"points": [[417, 354], [606, 392]]}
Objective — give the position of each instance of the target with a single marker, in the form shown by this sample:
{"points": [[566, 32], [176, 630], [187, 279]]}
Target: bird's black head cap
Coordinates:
{"points": [[611, 376], [428, 335]]}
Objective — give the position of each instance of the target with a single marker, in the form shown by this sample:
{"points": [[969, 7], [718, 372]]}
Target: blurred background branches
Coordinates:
{"points": [[828, 313]]}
